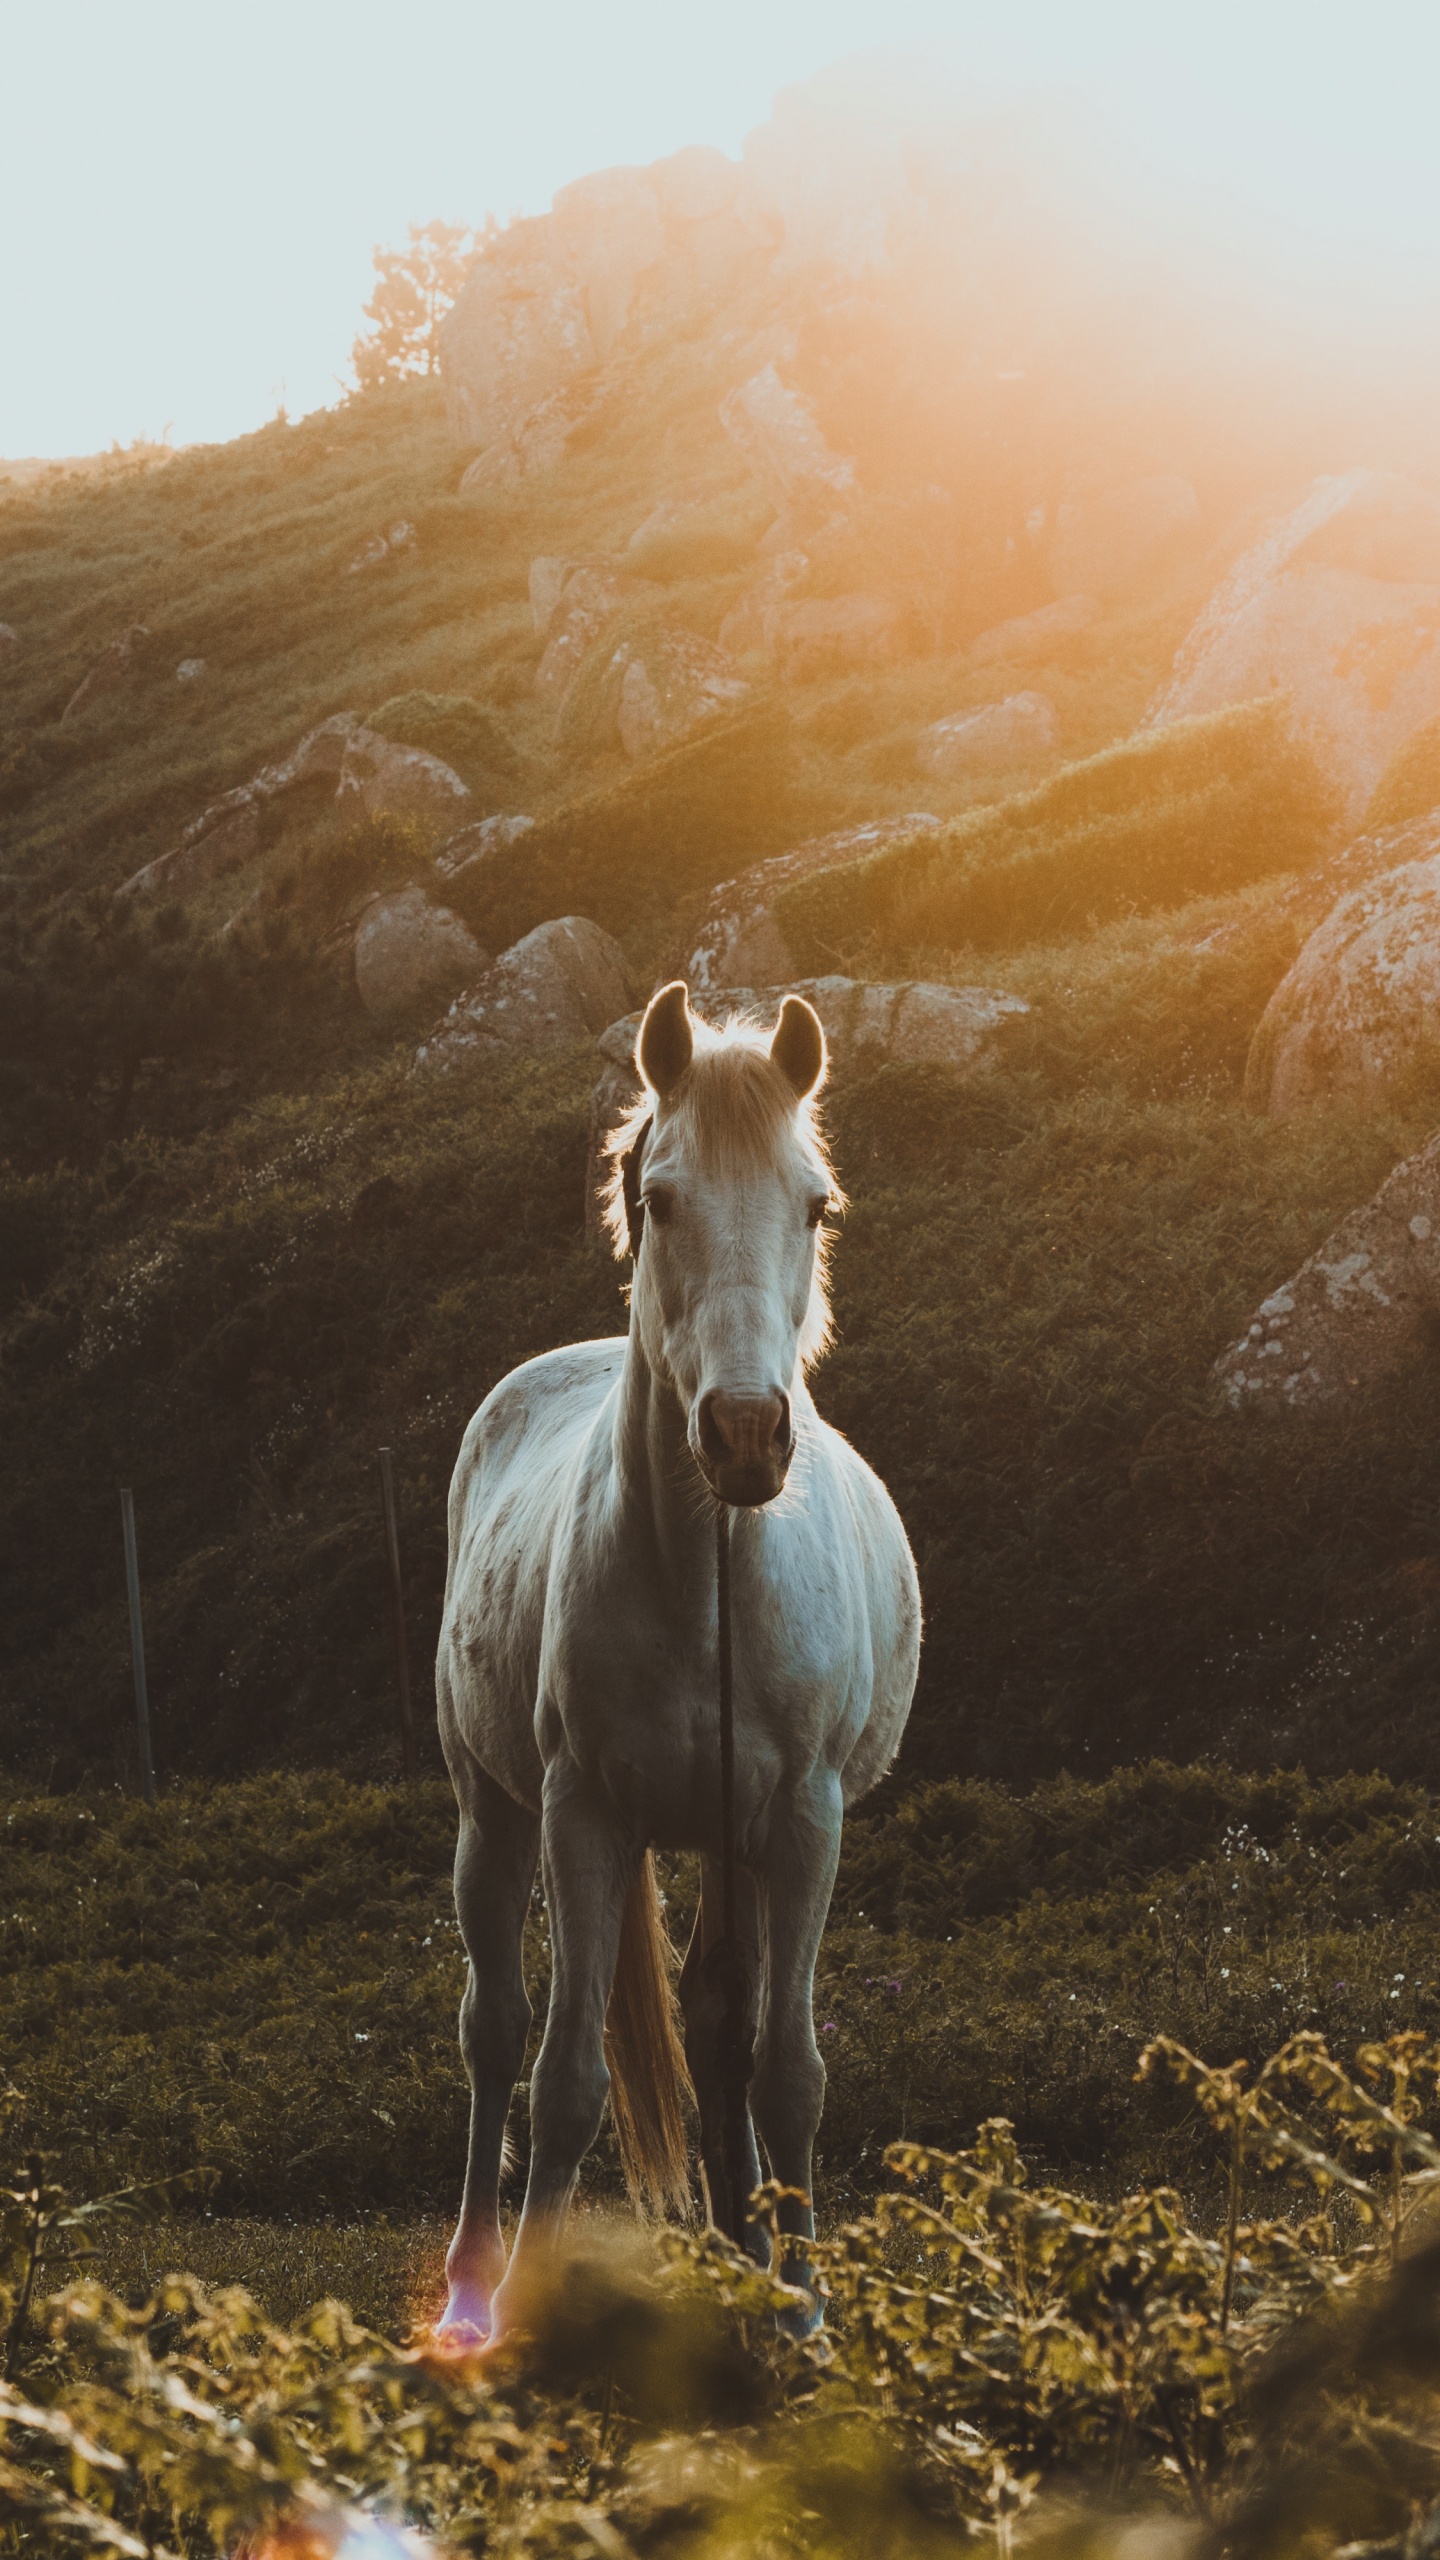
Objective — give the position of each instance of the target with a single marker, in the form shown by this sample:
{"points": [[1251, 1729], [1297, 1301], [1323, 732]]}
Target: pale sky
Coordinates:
{"points": [[190, 190]]}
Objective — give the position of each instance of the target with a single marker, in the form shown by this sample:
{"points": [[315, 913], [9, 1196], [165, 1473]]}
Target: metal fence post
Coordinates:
{"points": [[397, 1612], [137, 1644]]}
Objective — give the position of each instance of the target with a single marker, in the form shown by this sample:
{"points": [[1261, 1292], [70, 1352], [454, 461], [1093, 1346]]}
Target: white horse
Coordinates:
{"points": [[577, 1673]]}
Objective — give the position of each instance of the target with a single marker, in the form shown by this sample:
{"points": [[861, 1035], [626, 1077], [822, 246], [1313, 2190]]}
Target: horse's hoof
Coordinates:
{"points": [[466, 2321], [802, 2317]]}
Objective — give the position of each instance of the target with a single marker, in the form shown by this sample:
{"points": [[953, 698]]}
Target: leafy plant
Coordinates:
{"points": [[1005, 2359], [415, 287]]}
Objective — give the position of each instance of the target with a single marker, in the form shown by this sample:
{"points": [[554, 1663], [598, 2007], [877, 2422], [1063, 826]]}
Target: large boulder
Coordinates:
{"points": [[479, 843], [1362, 1001], [222, 839], [1338, 608], [315, 764], [1035, 635], [1113, 543], [1018, 735], [671, 681], [777, 432], [1358, 1314], [738, 940], [112, 669], [405, 948], [388, 781], [228, 834], [563, 982]]}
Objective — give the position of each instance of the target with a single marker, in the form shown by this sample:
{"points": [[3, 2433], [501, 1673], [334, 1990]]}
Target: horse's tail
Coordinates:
{"points": [[649, 2083]]}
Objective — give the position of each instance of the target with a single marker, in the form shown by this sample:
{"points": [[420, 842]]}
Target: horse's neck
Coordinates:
{"points": [[656, 1475]]}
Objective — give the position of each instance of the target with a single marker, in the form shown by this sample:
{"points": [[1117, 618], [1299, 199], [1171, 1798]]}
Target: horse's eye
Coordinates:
{"points": [[816, 1212], [658, 1204]]}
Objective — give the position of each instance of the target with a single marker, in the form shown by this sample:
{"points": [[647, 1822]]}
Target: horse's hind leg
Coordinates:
{"points": [[494, 1871], [702, 2002], [788, 2089]]}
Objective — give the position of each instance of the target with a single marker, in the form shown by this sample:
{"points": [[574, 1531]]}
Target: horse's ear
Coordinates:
{"points": [[798, 1047], [667, 1039]]}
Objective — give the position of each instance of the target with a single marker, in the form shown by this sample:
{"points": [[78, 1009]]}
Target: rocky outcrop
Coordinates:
{"points": [[1338, 608], [228, 834], [550, 575], [912, 1023], [671, 681], [317, 761], [576, 619], [406, 948], [776, 431], [1112, 544], [476, 844], [396, 538], [696, 537], [533, 443], [1017, 736], [562, 983], [547, 301], [388, 781], [112, 670], [752, 627], [738, 938], [1362, 1311], [1361, 1003], [1035, 635], [837, 635]]}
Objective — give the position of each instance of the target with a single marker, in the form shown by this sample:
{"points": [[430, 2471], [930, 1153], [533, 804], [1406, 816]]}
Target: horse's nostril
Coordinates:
{"points": [[711, 1439], [743, 1430]]}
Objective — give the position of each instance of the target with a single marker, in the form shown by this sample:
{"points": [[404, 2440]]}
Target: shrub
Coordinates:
{"points": [[624, 852], [1172, 814], [995, 2350], [452, 726]]}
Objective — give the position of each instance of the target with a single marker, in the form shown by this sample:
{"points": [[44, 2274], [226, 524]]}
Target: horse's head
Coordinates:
{"points": [[731, 1181]]}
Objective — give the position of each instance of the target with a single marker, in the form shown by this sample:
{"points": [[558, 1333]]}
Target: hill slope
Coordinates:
{"points": [[242, 1248]]}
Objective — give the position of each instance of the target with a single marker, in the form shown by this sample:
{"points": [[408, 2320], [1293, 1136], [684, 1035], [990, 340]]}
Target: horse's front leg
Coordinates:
{"points": [[589, 1865], [787, 2093], [494, 1870]]}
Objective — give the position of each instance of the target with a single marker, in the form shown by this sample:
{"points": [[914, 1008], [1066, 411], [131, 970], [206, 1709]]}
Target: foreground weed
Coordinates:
{"points": [[1003, 2364]]}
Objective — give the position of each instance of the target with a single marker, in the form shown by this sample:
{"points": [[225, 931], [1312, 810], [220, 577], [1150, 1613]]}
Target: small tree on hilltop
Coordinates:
{"points": [[417, 286]]}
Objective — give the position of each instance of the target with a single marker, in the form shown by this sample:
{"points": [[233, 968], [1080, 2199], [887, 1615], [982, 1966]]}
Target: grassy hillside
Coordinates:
{"points": [[262, 1978], [240, 1249]]}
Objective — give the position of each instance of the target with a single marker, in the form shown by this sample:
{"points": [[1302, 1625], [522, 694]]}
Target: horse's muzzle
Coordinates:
{"points": [[745, 1445]]}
